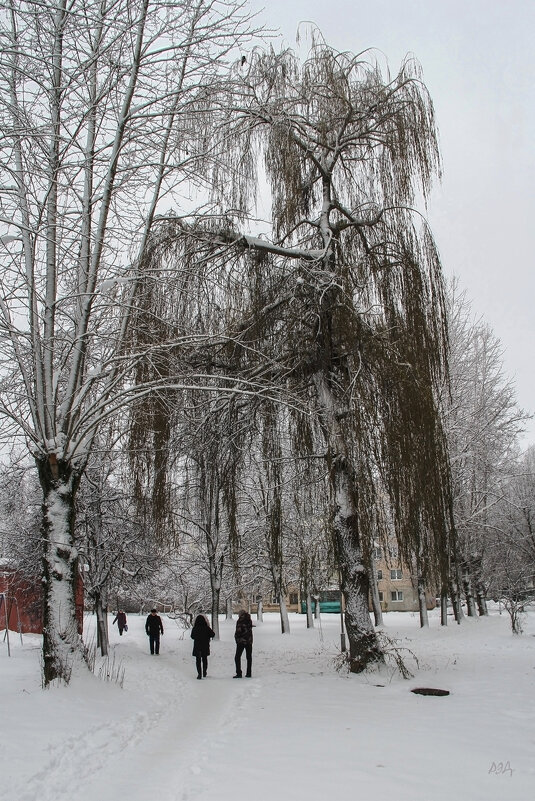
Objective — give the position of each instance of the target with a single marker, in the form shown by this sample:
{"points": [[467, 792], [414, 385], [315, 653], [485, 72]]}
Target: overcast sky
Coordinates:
{"points": [[478, 64]]}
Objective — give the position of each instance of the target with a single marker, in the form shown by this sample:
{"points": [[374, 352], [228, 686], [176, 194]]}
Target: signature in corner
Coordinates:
{"points": [[499, 768]]}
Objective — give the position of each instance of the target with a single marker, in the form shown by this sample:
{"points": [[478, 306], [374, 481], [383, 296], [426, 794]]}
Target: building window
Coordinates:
{"points": [[396, 575], [379, 574], [381, 596], [396, 595], [329, 595], [293, 598], [377, 553]]}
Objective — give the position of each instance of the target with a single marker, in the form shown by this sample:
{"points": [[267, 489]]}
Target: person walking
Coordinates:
{"points": [[244, 642], [154, 628], [201, 634], [120, 619]]}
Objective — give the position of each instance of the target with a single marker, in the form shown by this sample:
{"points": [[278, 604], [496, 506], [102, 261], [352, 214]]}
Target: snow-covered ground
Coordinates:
{"points": [[297, 730]]}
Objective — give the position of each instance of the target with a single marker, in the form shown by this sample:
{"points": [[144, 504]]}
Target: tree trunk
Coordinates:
{"points": [[481, 596], [482, 607], [62, 645], [310, 616], [444, 607], [317, 610], [376, 603], [278, 588], [364, 648], [260, 611], [422, 603], [285, 621], [363, 644], [228, 606], [468, 593], [456, 602], [216, 592], [102, 625]]}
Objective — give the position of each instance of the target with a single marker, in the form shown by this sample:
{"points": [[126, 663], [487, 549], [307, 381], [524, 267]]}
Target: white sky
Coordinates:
{"points": [[478, 63]]}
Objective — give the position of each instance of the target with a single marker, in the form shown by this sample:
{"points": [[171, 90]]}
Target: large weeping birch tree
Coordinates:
{"points": [[105, 111], [344, 295]]}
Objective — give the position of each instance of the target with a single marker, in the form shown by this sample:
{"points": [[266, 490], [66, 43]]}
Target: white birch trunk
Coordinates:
{"points": [[285, 620], [260, 611], [317, 610], [422, 604]]}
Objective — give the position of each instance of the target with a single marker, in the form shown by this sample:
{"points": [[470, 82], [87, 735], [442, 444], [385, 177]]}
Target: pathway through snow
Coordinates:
{"points": [[297, 729], [159, 750]]}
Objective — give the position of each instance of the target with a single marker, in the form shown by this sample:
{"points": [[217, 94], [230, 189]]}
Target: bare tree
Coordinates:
{"points": [[509, 555], [20, 541], [112, 542], [483, 422], [105, 109], [521, 508], [512, 579]]}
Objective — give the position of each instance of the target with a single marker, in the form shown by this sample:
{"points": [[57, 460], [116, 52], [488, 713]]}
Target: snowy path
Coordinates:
{"points": [[296, 730], [168, 758], [161, 749]]}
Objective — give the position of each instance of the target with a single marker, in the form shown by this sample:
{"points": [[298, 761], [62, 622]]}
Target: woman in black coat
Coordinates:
{"points": [[201, 634]]}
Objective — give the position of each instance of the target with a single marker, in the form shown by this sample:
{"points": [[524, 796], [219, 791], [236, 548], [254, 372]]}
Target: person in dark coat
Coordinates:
{"points": [[154, 627], [201, 634], [244, 642], [120, 619]]}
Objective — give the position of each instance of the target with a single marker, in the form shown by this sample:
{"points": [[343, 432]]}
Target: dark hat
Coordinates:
{"points": [[153, 610]]}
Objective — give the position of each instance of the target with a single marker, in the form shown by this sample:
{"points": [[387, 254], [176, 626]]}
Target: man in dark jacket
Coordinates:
{"points": [[154, 627], [244, 642]]}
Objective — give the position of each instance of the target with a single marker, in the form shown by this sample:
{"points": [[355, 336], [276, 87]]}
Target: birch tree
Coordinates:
{"points": [[344, 292], [105, 111]]}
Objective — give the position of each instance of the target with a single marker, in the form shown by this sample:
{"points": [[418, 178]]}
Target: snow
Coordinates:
{"points": [[297, 730]]}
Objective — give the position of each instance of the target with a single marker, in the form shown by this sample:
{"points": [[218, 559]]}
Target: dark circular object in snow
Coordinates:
{"points": [[429, 691]]}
